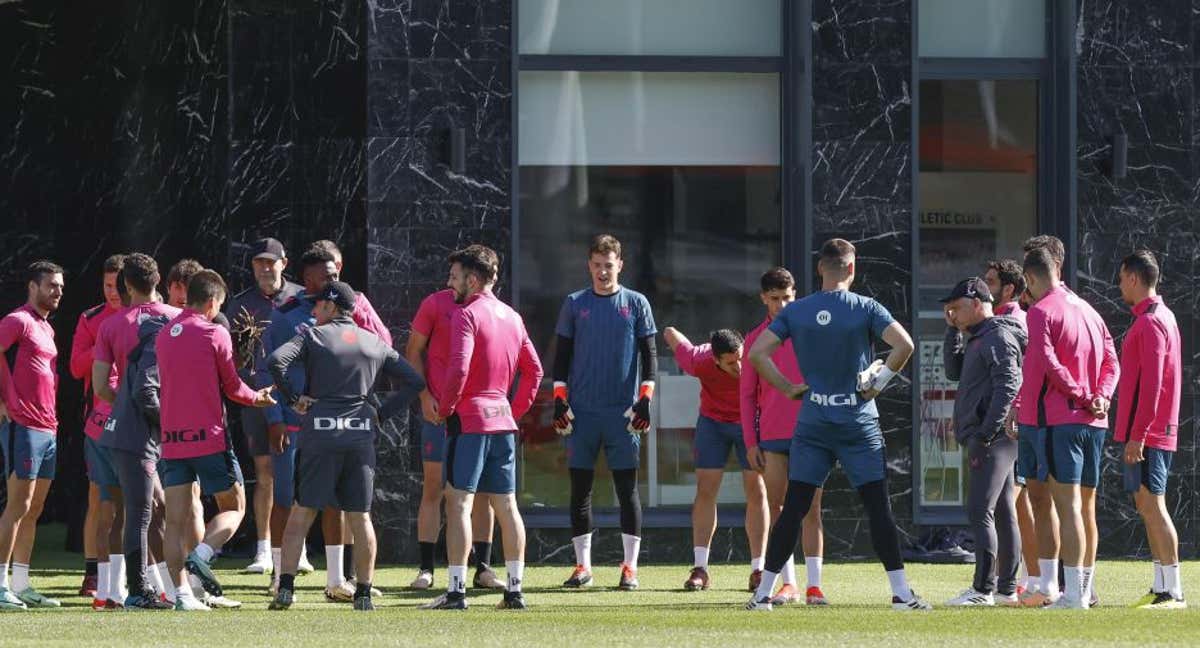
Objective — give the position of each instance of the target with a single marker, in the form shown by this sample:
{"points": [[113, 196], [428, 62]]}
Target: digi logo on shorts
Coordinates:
{"points": [[824, 318], [328, 423], [184, 436]]}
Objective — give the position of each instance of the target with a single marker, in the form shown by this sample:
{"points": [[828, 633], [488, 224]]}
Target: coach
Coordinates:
{"points": [[983, 353]]}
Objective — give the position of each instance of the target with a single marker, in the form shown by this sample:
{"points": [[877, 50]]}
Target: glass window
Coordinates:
{"points": [[650, 27], [982, 28], [978, 201], [683, 168]]}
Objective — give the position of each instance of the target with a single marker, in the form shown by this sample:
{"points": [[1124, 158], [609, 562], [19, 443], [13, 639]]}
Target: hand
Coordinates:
{"points": [[263, 398], [1099, 406], [867, 376], [1135, 451], [563, 417], [3, 412], [796, 392], [639, 416], [429, 408], [277, 437], [757, 459], [303, 404], [1010, 424]]}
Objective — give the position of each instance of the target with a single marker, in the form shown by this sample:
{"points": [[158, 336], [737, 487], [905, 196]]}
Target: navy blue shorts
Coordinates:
{"points": [[481, 463], [1072, 454], [857, 446], [778, 446], [283, 469], [1029, 439], [342, 477], [254, 427], [433, 442], [1151, 472], [216, 473], [714, 440], [100, 469], [29, 453], [608, 430]]}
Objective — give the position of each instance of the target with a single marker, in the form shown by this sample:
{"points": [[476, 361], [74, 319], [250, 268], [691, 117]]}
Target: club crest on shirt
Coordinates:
{"points": [[176, 330], [625, 311], [824, 318], [584, 313]]}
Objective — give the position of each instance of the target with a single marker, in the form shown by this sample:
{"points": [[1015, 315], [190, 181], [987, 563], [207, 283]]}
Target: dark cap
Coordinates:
{"points": [[268, 248], [340, 293], [974, 288]]}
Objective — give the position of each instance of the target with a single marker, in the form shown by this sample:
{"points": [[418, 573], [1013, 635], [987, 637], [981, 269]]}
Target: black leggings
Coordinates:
{"points": [[138, 486], [624, 482], [786, 532]]}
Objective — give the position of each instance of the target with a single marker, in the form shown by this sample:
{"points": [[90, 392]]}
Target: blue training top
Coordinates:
{"points": [[605, 328]]}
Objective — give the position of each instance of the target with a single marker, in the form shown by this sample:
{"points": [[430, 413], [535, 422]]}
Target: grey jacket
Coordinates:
{"points": [[987, 366], [133, 425]]}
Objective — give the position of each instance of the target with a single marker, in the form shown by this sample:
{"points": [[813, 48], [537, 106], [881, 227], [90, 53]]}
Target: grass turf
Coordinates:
{"points": [[660, 613]]}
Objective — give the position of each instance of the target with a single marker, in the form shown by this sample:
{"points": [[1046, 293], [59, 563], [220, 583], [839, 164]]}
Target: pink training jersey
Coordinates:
{"points": [[28, 380], [1070, 360], [718, 390], [488, 347], [365, 316], [1151, 378], [82, 348], [195, 366], [1012, 309], [118, 335], [433, 321], [768, 415]]}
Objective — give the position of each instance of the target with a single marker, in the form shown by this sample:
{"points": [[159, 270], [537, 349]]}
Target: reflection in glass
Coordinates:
{"points": [[981, 28]]}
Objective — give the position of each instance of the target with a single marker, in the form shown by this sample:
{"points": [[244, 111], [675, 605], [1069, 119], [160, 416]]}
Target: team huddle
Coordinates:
{"points": [[302, 362]]}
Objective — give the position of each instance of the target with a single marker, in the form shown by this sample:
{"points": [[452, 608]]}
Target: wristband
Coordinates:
{"points": [[646, 390], [885, 376], [560, 389]]}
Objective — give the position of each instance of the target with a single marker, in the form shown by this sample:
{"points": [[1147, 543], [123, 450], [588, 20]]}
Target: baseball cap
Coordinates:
{"points": [[340, 293], [268, 248], [974, 288]]}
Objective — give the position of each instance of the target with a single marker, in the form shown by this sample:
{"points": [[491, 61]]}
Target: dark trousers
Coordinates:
{"points": [[138, 483], [993, 514]]}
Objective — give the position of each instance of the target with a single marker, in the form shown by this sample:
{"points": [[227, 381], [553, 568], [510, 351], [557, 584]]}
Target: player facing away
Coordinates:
{"points": [[428, 351], [1068, 378], [834, 330], [195, 363], [718, 366], [95, 409], [249, 313], [1148, 419], [28, 424], [117, 336], [606, 361], [336, 455], [490, 354], [768, 421]]}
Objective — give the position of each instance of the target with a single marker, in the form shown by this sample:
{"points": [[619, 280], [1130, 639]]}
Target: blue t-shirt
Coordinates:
{"points": [[287, 321], [832, 334], [604, 368]]}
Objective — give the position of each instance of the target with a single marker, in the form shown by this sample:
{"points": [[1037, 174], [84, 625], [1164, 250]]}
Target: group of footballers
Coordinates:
{"points": [[303, 361]]}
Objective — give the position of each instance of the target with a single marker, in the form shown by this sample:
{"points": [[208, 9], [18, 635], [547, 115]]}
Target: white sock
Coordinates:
{"points": [[154, 580], [583, 550], [262, 548], [789, 571], [1158, 577], [516, 572], [1171, 582], [164, 575], [303, 552], [116, 574], [333, 566], [632, 545], [102, 581], [766, 588], [700, 557], [1089, 579], [756, 564], [812, 565], [3, 575], [204, 552], [184, 591], [1023, 576], [458, 579], [899, 582], [1049, 568], [20, 577], [1074, 584], [276, 562]]}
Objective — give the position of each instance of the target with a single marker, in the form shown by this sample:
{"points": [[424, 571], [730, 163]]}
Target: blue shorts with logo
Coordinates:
{"points": [[1029, 439], [433, 442], [1151, 472], [858, 446], [714, 440], [29, 453], [100, 469], [778, 446], [480, 463], [1071, 454], [592, 431], [216, 473]]}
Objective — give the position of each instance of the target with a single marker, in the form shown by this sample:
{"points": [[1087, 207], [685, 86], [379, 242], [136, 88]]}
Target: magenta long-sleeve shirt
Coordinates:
{"points": [[1070, 360], [768, 415], [1151, 377], [488, 347], [195, 366]]}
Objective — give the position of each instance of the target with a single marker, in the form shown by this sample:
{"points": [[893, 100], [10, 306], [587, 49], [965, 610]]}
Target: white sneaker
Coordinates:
{"points": [[343, 593], [913, 604], [304, 567], [759, 605], [221, 603], [970, 597], [190, 604], [1065, 603], [261, 565], [423, 581], [1008, 600]]}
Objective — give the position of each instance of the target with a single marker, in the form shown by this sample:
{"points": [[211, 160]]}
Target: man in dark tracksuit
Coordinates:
{"points": [[335, 463], [131, 435], [983, 353]]}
